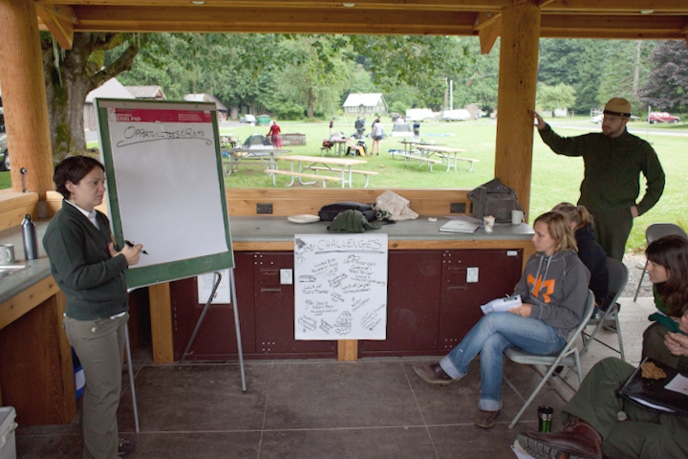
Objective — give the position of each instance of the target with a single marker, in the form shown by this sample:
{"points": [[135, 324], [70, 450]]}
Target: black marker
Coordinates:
{"points": [[132, 245]]}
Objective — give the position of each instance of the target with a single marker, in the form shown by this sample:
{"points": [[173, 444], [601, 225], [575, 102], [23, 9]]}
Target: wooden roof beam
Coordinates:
{"points": [[261, 20], [59, 20], [612, 27], [415, 5], [659, 7], [488, 25]]}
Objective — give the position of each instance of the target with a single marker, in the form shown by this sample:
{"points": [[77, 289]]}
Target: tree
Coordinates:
{"points": [[554, 97], [667, 85], [70, 75]]}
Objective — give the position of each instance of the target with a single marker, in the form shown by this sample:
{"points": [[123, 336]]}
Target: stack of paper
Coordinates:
{"points": [[501, 304]]}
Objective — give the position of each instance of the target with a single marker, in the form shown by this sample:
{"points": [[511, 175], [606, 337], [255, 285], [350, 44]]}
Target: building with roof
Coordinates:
{"points": [[147, 92], [365, 104], [221, 108], [111, 89]]}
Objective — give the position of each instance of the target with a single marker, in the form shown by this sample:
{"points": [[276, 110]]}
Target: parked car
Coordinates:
{"points": [[248, 119], [597, 119], [663, 117]]}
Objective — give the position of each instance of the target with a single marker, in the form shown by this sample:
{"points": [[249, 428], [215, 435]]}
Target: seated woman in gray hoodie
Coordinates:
{"points": [[553, 290]]}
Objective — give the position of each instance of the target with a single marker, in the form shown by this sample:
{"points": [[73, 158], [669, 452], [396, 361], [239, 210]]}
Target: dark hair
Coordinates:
{"points": [[73, 169], [576, 214], [671, 252], [559, 229]]}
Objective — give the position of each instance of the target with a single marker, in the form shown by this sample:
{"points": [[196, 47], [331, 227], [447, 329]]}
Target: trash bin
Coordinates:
{"points": [[262, 119], [8, 447]]}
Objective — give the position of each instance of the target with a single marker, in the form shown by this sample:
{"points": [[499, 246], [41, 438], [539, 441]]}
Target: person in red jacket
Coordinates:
{"points": [[274, 134]]}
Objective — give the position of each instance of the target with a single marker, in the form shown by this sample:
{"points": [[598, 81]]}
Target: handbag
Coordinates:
{"points": [[495, 199], [330, 211]]}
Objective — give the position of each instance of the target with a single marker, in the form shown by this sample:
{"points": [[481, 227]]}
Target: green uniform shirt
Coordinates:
{"points": [[612, 169]]}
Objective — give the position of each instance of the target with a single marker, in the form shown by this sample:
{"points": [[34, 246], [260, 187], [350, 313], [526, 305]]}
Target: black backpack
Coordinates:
{"points": [[496, 199]]}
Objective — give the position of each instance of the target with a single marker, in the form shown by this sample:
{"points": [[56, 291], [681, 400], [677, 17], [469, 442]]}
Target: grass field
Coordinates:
{"points": [[555, 178]]}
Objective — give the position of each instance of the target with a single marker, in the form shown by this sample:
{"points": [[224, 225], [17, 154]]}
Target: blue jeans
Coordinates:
{"points": [[491, 336]]}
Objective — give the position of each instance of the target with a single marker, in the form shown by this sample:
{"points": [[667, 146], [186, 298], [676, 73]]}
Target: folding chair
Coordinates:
{"points": [[654, 232], [618, 276], [568, 356]]}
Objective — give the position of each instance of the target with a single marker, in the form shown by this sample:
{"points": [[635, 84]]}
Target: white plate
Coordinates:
{"points": [[303, 218]]}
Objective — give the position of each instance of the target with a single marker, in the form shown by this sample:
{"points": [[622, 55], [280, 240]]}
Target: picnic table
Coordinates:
{"points": [[324, 169], [448, 155], [238, 154], [410, 144]]}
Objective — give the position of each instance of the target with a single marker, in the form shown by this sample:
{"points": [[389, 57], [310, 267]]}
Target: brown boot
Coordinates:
{"points": [[432, 374], [578, 440]]}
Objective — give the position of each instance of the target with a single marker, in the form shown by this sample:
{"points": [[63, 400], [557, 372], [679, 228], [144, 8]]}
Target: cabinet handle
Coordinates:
{"points": [[271, 290]]}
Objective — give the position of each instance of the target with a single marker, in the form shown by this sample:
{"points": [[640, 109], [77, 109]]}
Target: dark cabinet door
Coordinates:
{"points": [[216, 337], [274, 310], [497, 273], [413, 299]]}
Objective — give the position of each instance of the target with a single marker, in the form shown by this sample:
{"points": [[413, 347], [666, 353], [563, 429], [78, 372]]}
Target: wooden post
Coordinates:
{"points": [[518, 61], [161, 322], [23, 97]]}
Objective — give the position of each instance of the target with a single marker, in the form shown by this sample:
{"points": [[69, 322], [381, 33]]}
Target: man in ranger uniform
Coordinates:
{"points": [[613, 162]]}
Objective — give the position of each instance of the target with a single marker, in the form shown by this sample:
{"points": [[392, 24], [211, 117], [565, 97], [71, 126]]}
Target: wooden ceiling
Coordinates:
{"points": [[629, 19]]}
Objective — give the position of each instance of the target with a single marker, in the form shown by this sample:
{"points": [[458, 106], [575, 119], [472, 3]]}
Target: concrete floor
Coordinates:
{"points": [[372, 408]]}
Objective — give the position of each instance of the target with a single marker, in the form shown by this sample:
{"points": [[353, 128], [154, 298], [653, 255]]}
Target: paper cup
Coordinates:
{"points": [[489, 222]]}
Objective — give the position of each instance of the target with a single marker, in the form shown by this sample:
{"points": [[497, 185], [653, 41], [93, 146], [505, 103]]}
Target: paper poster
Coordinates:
{"points": [[206, 282], [340, 289]]}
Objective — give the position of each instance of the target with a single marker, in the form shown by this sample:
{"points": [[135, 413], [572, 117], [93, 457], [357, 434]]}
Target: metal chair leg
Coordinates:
{"points": [[640, 282]]}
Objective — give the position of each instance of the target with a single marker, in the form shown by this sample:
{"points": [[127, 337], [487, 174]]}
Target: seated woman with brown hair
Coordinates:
{"points": [[667, 268]]}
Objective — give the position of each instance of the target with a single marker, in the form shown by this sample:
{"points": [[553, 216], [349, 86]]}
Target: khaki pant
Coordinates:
{"points": [[99, 344], [646, 433]]}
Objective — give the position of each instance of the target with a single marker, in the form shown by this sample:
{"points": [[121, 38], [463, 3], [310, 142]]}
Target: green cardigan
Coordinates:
{"points": [[93, 281], [612, 169]]}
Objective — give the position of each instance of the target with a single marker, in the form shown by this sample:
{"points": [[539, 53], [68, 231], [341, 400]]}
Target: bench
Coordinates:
{"points": [[422, 159], [353, 171], [469, 160], [316, 177]]}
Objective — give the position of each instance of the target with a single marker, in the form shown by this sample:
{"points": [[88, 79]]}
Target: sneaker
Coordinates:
{"points": [[125, 447]]}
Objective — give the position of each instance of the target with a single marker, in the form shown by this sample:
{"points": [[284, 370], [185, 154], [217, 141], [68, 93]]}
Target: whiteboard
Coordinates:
{"points": [[166, 187], [340, 288]]}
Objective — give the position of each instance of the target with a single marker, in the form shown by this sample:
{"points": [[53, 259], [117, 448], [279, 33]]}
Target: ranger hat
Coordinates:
{"points": [[618, 106]]}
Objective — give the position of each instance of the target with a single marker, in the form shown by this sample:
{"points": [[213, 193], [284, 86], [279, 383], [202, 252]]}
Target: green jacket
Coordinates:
{"points": [[612, 169], [93, 281]]}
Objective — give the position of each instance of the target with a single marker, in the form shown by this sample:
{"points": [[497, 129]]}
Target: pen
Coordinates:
{"points": [[132, 245]]}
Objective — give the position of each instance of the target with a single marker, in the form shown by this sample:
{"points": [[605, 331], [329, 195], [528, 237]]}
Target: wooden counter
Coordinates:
{"points": [[253, 233]]}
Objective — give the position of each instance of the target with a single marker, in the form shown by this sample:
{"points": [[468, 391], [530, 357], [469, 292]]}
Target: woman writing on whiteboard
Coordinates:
{"points": [[553, 290], [90, 272]]}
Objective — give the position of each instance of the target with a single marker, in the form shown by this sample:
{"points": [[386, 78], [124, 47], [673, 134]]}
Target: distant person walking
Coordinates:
{"points": [[274, 134], [378, 133], [331, 126], [614, 160], [416, 131]]}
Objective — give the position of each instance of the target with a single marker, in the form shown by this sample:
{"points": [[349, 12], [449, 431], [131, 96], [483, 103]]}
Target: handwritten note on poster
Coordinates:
{"points": [[340, 289]]}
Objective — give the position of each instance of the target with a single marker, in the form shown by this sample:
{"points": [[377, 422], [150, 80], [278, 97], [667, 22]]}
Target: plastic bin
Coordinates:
{"points": [[8, 447]]}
